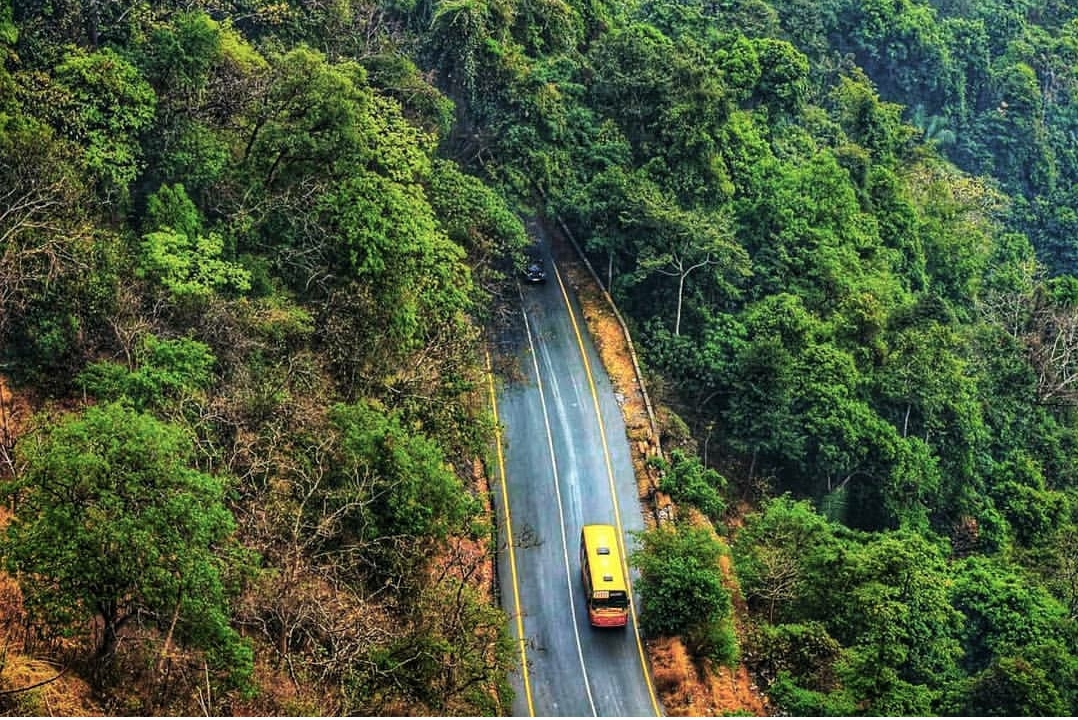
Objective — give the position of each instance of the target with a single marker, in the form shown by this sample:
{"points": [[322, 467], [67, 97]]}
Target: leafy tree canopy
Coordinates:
{"points": [[114, 520]]}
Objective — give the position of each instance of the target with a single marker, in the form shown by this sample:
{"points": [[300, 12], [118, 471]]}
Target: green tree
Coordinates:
{"points": [[772, 552], [699, 365], [659, 238], [889, 599], [1012, 687], [634, 66], [460, 31], [904, 46], [45, 235], [389, 240], [455, 651], [164, 370], [170, 207], [179, 56], [476, 218], [866, 119], [809, 235], [58, 270], [179, 255], [681, 589], [759, 418], [101, 102], [310, 118], [783, 87], [113, 522], [190, 268], [681, 245], [399, 476], [1005, 613], [9, 33], [687, 480]]}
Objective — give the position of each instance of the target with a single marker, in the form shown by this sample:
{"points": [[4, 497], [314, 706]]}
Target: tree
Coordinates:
{"points": [[871, 123], [1052, 340], [783, 85], [902, 44], [401, 477], [112, 521], [772, 556], [390, 241], [456, 652], [758, 419], [633, 65], [101, 102], [846, 438], [1005, 614], [700, 366], [164, 370], [478, 219], [459, 31], [697, 244], [667, 240], [314, 119], [686, 479], [888, 598], [681, 589], [179, 56], [1012, 687], [44, 232], [9, 33]]}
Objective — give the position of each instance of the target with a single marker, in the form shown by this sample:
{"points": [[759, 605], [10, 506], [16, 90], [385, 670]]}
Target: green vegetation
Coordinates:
{"points": [[113, 521], [681, 590], [245, 286], [270, 234]]}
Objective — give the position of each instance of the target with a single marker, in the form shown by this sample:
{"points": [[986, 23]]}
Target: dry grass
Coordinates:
{"points": [[37, 687], [686, 687]]}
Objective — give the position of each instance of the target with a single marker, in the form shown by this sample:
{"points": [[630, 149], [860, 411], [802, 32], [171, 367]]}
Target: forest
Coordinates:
{"points": [[250, 251]]}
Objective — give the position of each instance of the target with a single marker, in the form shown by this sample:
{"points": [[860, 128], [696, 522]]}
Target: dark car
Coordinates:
{"points": [[535, 271]]}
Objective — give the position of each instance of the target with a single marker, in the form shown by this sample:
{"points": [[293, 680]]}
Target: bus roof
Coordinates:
{"points": [[604, 560]]}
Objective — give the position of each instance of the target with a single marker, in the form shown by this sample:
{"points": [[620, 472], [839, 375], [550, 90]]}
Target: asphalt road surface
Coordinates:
{"points": [[563, 462]]}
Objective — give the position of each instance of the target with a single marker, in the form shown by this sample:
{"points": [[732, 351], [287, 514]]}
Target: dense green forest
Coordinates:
{"points": [[248, 251]]}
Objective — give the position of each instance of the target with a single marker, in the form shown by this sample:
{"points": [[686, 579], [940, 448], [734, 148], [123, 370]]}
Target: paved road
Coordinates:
{"points": [[564, 462]]}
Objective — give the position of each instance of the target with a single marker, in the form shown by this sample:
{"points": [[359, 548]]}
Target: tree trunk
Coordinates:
{"points": [[110, 636], [680, 292]]}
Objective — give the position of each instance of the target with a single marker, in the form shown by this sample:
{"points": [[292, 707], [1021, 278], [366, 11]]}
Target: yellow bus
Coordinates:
{"points": [[605, 591]]}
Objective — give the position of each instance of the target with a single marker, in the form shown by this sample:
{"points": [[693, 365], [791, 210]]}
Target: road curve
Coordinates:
{"points": [[563, 461]]}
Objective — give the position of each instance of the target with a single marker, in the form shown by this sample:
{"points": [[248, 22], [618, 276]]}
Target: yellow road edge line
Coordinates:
{"points": [[613, 491], [509, 538]]}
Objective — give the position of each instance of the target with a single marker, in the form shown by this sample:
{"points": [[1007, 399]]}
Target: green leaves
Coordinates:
{"points": [[166, 370], [190, 268], [9, 33], [103, 103], [389, 241], [113, 520], [179, 256], [178, 56], [1012, 687], [686, 480], [681, 589], [405, 482], [1004, 614], [882, 602]]}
